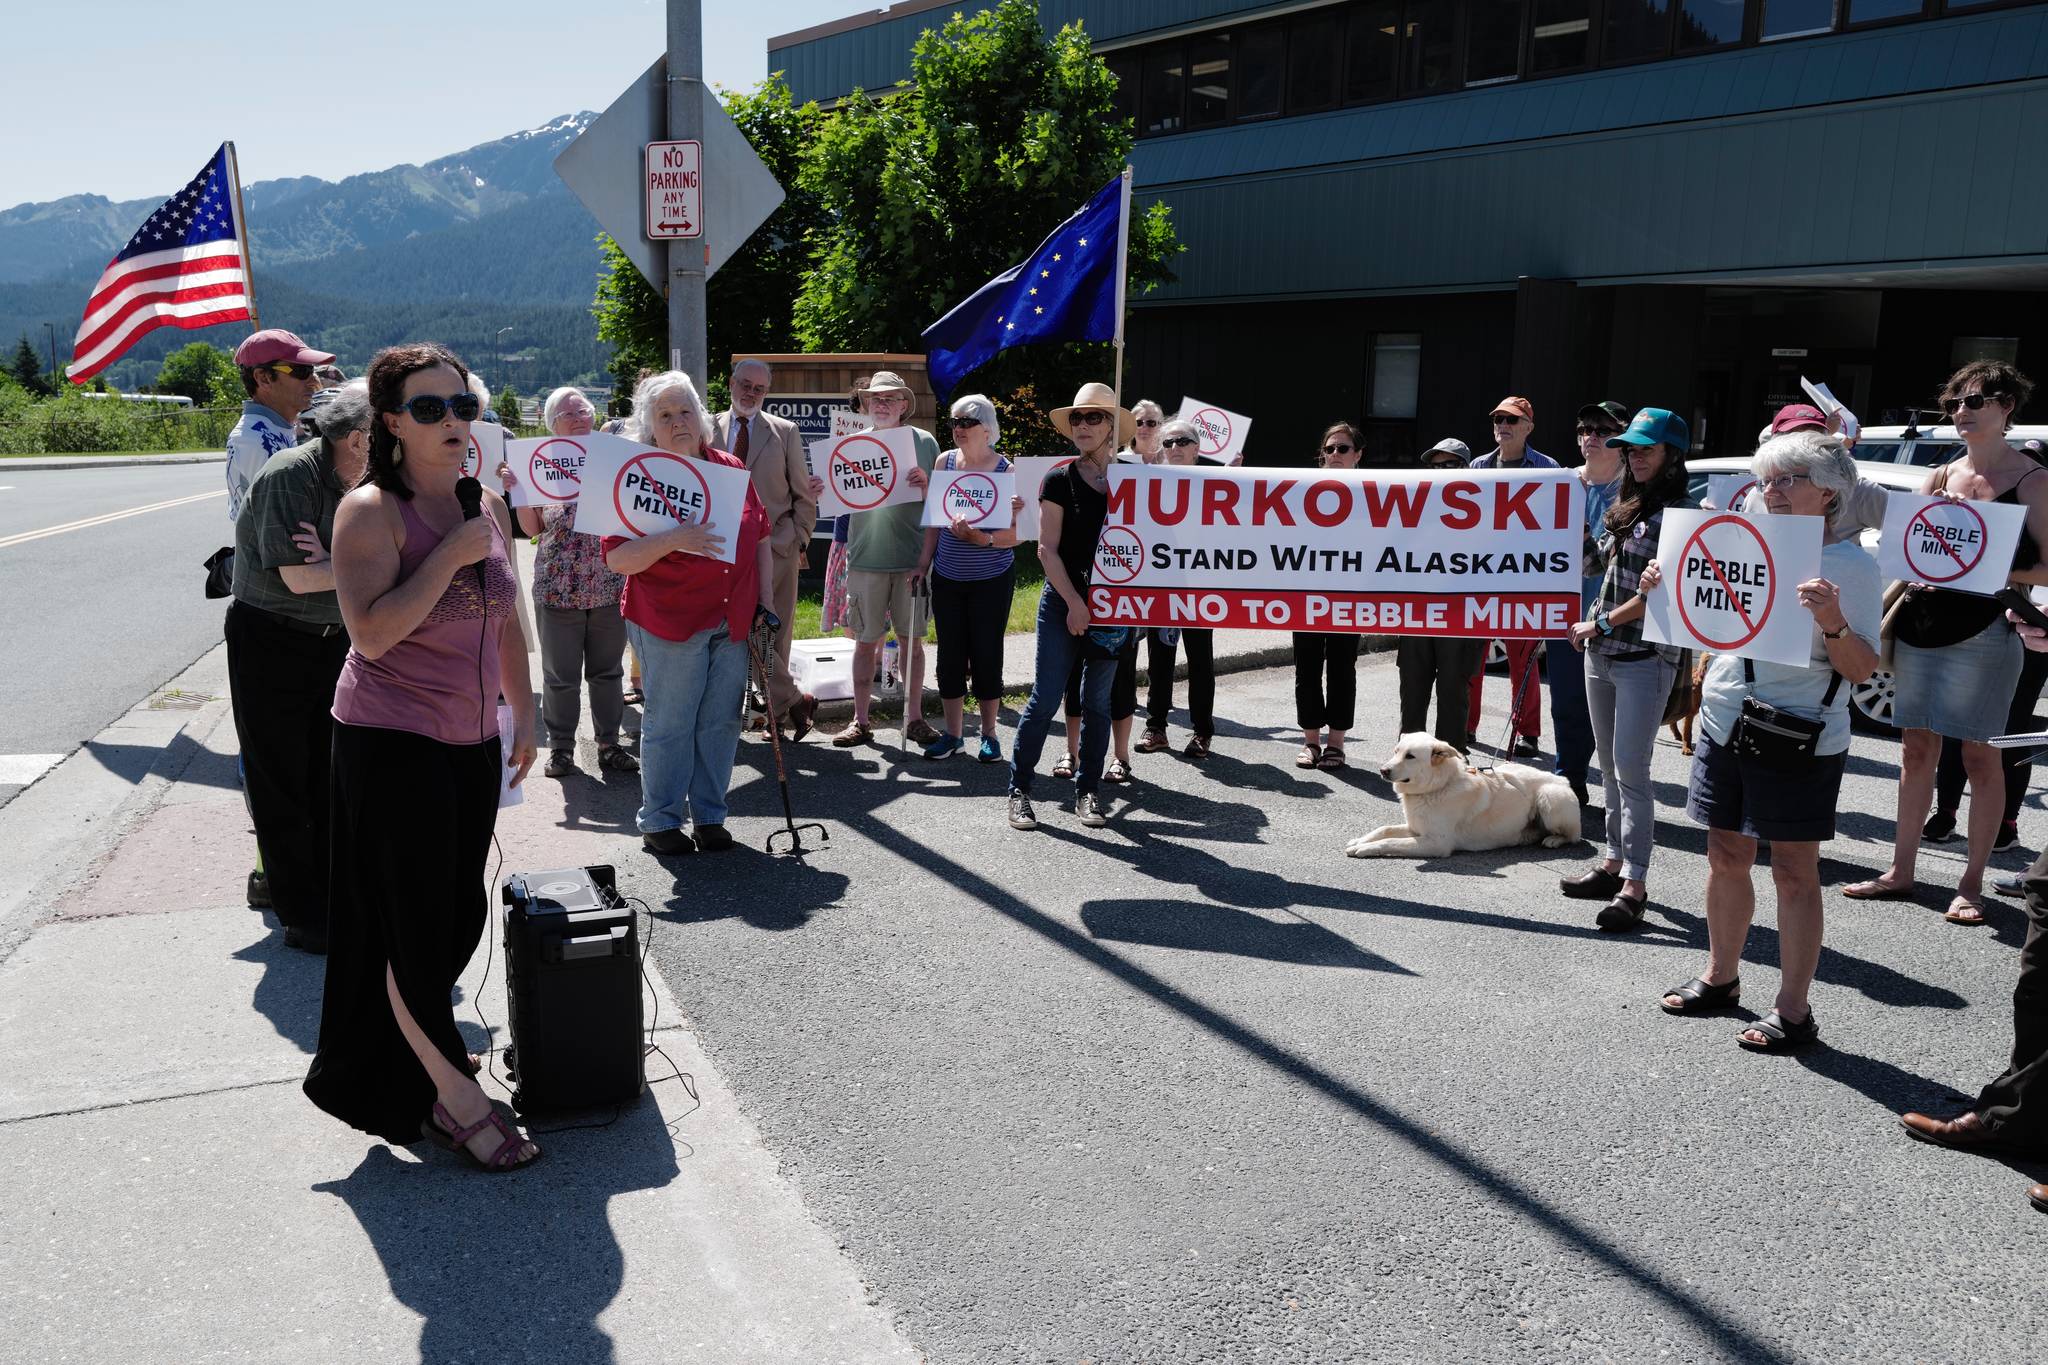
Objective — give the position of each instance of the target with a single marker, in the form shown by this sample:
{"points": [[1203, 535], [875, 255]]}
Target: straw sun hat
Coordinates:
{"points": [[1101, 397]]}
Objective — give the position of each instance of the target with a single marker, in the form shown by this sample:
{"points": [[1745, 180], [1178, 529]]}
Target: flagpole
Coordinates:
{"points": [[1123, 251], [242, 237]]}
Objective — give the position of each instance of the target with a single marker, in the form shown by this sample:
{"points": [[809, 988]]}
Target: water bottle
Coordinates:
{"points": [[889, 653]]}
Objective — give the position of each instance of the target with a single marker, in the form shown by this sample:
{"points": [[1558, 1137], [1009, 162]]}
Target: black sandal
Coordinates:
{"points": [[1698, 997], [1780, 1036], [1621, 914]]}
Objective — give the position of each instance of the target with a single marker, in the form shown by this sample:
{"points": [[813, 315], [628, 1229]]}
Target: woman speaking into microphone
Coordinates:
{"points": [[427, 591]]}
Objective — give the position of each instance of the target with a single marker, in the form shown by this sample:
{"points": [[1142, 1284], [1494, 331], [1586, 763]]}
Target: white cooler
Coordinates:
{"points": [[823, 668]]}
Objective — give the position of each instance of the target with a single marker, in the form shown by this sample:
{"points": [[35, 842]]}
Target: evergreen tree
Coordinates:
{"points": [[28, 370]]}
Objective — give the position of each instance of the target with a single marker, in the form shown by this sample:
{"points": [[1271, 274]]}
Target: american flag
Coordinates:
{"points": [[182, 268]]}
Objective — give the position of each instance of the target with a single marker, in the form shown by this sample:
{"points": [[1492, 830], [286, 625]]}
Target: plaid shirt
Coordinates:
{"points": [[297, 485], [1626, 554]]}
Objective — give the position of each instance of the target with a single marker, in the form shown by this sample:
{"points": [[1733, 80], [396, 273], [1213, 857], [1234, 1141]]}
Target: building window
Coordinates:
{"points": [[1796, 18], [1162, 91], [1371, 51], [1871, 11], [1493, 41], [1396, 375], [1209, 76], [1718, 23], [1124, 66], [1261, 71], [1560, 36], [1636, 30], [1426, 48], [1314, 60]]}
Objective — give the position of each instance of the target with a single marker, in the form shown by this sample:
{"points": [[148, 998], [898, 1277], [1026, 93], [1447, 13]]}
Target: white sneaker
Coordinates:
{"points": [[1021, 816], [1094, 810]]}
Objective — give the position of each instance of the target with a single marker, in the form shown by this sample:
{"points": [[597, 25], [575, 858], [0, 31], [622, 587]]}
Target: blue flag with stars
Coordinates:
{"points": [[1066, 291]]}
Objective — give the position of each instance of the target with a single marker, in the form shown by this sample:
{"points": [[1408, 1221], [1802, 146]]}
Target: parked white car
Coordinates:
{"points": [[1924, 446]]}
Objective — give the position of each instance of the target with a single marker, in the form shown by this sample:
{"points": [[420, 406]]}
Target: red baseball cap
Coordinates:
{"points": [[273, 345], [1798, 417]]}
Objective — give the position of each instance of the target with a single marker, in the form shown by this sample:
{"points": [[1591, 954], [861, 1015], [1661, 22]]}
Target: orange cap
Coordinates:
{"points": [[1521, 407]]}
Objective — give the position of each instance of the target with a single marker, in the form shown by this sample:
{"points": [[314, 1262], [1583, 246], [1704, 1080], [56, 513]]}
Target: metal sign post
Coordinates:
{"points": [[687, 256]]}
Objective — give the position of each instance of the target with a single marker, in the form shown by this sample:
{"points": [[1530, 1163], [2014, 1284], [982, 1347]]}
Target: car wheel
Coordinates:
{"points": [[1870, 704], [1496, 655]]}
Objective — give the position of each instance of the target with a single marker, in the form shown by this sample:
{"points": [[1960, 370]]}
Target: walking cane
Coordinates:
{"points": [[793, 829], [919, 594]]}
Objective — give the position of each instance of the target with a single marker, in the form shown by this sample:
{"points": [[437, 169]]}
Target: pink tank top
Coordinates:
{"points": [[441, 681]]}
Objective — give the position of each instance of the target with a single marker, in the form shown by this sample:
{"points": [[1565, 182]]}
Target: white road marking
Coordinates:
{"points": [[25, 536], [18, 770]]}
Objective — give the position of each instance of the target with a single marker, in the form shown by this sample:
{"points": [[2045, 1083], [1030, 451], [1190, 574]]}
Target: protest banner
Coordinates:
{"points": [[845, 422], [1220, 434], [634, 490], [547, 471], [1030, 472], [1488, 554], [1729, 492], [1731, 584], [486, 450], [983, 498], [864, 471], [1963, 546]]}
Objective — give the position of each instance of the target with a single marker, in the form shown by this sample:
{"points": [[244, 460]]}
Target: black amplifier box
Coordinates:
{"points": [[572, 972]]}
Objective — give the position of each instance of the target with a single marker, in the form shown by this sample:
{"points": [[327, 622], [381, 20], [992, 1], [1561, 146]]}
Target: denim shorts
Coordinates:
{"points": [[1959, 691], [1739, 795]]}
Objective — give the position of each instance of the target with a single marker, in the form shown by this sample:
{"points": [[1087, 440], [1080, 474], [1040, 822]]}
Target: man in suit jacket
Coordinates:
{"points": [[774, 453]]}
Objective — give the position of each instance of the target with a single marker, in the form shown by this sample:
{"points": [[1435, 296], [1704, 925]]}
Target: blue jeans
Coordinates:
{"points": [[690, 725], [1570, 724], [1057, 651]]}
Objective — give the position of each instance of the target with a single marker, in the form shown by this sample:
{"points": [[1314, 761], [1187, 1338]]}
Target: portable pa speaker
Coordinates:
{"points": [[572, 971]]}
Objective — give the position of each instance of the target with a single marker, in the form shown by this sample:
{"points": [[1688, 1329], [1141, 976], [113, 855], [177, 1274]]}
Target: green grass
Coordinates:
{"points": [[90, 454], [1023, 606]]}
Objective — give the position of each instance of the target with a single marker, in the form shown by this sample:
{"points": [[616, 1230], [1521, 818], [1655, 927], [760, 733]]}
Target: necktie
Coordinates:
{"points": [[739, 437]]}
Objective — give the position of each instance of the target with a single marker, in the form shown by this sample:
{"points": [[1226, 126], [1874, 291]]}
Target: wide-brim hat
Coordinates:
{"points": [[1102, 398], [888, 381]]}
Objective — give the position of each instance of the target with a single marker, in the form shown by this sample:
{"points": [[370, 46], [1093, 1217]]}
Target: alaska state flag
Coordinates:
{"points": [[1066, 291]]}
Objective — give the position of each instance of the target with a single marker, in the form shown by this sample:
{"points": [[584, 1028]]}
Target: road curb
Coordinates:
{"points": [[112, 461]]}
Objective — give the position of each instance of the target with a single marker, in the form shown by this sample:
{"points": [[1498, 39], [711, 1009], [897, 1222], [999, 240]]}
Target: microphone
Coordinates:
{"points": [[470, 494]]}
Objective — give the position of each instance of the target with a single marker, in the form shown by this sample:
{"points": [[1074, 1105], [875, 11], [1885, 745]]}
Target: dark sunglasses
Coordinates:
{"points": [[957, 423], [1972, 401], [1174, 442], [1588, 429], [1148, 421], [281, 368], [1505, 419], [428, 409], [1088, 419], [1443, 464], [1338, 448]]}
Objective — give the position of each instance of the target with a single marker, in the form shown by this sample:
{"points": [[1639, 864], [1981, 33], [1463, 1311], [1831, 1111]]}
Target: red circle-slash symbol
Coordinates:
{"points": [[537, 461], [1203, 417], [1119, 554], [848, 476], [981, 511], [645, 463], [1936, 569], [1752, 626]]}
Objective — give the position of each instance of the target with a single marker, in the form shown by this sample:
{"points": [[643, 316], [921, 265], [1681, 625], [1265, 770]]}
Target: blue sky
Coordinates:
{"points": [[127, 97]]}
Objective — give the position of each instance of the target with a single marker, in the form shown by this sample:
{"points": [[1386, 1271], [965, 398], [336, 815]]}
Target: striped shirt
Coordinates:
{"points": [[963, 561]]}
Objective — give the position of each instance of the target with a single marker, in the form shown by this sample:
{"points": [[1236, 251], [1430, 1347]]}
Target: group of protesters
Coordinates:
{"points": [[376, 630]]}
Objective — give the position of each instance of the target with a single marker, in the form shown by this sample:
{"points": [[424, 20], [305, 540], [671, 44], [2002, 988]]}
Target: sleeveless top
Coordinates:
{"points": [[441, 681], [959, 561], [1938, 617]]}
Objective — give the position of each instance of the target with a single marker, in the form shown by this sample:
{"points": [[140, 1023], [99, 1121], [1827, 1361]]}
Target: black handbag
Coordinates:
{"points": [[220, 572], [1773, 738]]}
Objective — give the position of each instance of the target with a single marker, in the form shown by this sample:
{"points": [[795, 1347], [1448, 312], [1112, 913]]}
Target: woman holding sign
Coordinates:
{"points": [[1326, 665], [1956, 661], [688, 613], [1774, 740], [1628, 678], [1073, 503], [975, 571], [1178, 444]]}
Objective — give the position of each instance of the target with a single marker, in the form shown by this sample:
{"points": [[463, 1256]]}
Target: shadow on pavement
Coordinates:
{"points": [[772, 893], [184, 759], [288, 993], [512, 1267], [1223, 929]]}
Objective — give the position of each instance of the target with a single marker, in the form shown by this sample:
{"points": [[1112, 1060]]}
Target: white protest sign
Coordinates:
{"points": [[1029, 473], [486, 449], [1728, 492], [1220, 434], [865, 470], [1963, 546], [982, 497], [547, 471], [1824, 398], [845, 422], [675, 189], [1731, 585], [636, 490], [1487, 554], [508, 795]]}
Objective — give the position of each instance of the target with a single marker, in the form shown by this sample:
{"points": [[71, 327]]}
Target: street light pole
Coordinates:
{"points": [[687, 255]]}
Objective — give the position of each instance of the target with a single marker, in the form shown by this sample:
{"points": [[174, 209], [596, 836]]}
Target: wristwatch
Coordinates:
{"points": [[1602, 624], [1835, 634]]}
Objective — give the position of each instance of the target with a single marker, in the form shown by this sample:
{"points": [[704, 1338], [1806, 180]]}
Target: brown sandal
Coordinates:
{"points": [[1308, 757], [1332, 759]]}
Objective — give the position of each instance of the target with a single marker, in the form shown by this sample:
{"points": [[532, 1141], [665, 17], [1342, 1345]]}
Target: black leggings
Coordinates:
{"points": [[1123, 690], [2019, 763], [971, 617], [1325, 680], [1201, 647]]}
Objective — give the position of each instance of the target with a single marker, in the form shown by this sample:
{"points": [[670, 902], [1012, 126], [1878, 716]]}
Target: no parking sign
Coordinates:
{"points": [[1731, 585], [1963, 546]]}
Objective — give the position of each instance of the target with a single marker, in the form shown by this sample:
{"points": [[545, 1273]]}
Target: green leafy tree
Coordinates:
{"points": [[631, 317], [506, 401], [28, 370], [201, 372]]}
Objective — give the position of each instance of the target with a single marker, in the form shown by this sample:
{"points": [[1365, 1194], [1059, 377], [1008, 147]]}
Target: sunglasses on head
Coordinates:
{"points": [[958, 423], [1339, 448], [1972, 401], [428, 409], [1174, 442], [1592, 429], [281, 368], [1148, 421], [1088, 419], [1505, 419]]}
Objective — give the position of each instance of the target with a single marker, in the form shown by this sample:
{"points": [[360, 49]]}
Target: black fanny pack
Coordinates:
{"points": [[1774, 738]]}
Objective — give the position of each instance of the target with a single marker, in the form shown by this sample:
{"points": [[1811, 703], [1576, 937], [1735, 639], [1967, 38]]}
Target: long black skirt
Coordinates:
{"points": [[412, 830]]}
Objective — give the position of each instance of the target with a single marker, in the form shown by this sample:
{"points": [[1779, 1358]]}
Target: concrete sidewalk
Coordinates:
{"points": [[113, 461]]}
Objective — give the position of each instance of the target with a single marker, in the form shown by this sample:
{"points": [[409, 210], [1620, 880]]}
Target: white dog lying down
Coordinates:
{"points": [[1450, 808]]}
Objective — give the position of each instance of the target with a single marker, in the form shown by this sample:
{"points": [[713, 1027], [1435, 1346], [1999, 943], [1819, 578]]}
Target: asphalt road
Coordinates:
{"points": [[1196, 1087], [96, 617]]}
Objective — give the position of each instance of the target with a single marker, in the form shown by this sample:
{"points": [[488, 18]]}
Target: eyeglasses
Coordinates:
{"points": [[1784, 481], [282, 368], [1589, 429], [1148, 421], [1088, 419], [1338, 448], [962, 423], [1444, 464], [1175, 442], [1505, 419], [1972, 401], [428, 409], [874, 398]]}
